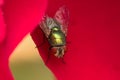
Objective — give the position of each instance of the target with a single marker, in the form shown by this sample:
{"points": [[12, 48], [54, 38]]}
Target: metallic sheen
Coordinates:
{"points": [[57, 37]]}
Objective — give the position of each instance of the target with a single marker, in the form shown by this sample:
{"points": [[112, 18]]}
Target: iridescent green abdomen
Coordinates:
{"points": [[56, 37]]}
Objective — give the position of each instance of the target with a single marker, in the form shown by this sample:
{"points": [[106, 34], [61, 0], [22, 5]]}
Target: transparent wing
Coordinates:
{"points": [[44, 27], [50, 22], [62, 17]]}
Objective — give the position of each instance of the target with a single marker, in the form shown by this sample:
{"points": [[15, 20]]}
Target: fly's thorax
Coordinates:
{"points": [[57, 37]]}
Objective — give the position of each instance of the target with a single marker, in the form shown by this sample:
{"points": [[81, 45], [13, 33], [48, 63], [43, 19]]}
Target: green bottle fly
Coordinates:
{"points": [[57, 37], [55, 30]]}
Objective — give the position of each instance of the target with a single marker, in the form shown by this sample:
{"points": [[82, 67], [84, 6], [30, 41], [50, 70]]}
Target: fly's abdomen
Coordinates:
{"points": [[57, 39]]}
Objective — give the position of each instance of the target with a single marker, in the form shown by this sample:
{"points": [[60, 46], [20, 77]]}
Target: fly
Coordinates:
{"points": [[55, 30]]}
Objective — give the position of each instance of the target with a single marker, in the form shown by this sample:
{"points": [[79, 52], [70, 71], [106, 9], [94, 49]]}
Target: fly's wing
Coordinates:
{"points": [[44, 26], [51, 23], [62, 17]]}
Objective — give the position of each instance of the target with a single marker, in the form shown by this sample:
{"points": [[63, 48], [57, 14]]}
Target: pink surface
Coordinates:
{"points": [[94, 33], [2, 27], [19, 17]]}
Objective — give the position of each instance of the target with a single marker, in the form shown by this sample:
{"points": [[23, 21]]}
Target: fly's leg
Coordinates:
{"points": [[63, 54], [48, 58], [48, 55], [63, 61]]}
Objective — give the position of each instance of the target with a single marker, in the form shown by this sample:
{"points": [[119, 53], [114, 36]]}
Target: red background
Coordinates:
{"points": [[94, 33]]}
